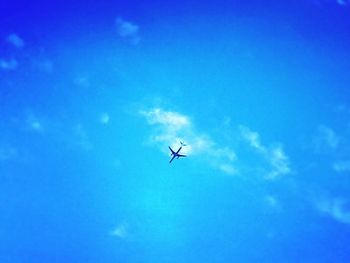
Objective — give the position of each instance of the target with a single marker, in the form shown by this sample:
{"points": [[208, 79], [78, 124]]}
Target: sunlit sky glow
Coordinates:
{"points": [[92, 94]]}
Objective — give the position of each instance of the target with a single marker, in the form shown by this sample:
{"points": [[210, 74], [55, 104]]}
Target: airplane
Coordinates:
{"points": [[176, 154]]}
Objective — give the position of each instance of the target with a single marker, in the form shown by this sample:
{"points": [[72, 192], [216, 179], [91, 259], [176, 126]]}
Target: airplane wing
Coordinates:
{"points": [[172, 151], [179, 150], [181, 155], [172, 158]]}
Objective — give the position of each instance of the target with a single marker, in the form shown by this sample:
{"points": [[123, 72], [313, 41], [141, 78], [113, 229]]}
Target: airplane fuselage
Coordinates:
{"points": [[176, 154]]}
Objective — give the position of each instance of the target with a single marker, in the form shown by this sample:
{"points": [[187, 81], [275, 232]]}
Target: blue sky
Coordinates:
{"points": [[92, 94]]}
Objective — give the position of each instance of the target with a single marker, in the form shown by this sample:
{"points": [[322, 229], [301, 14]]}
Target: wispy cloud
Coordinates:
{"points": [[121, 231], [341, 166], [279, 162], [275, 155], [170, 120], [325, 139], [128, 30], [343, 2], [171, 127], [104, 118], [15, 40], [10, 64], [253, 138], [336, 208], [228, 168], [272, 201]]}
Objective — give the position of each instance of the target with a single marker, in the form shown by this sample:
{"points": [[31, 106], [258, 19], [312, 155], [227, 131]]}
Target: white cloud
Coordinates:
{"points": [[172, 120], [128, 30], [326, 139], [253, 138], [15, 40], [341, 166], [172, 127], [228, 168], [337, 208], [121, 231], [8, 64], [104, 118], [276, 157], [280, 163]]}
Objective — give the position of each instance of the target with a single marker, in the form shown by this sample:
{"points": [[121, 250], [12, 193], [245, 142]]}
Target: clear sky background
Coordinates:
{"points": [[92, 94]]}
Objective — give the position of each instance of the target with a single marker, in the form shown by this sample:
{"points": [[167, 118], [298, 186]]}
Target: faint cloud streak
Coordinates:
{"points": [[253, 138], [341, 166], [275, 155], [325, 139], [172, 120], [172, 127], [8, 64], [336, 208], [343, 2], [271, 201], [15, 40], [128, 30], [121, 231]]}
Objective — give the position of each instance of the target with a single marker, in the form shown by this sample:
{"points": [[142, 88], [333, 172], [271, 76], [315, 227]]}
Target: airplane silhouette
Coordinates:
{"points": [[177, 153]]}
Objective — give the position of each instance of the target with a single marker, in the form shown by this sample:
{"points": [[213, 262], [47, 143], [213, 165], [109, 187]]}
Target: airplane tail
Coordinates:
{"points": [[182, 143]]}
